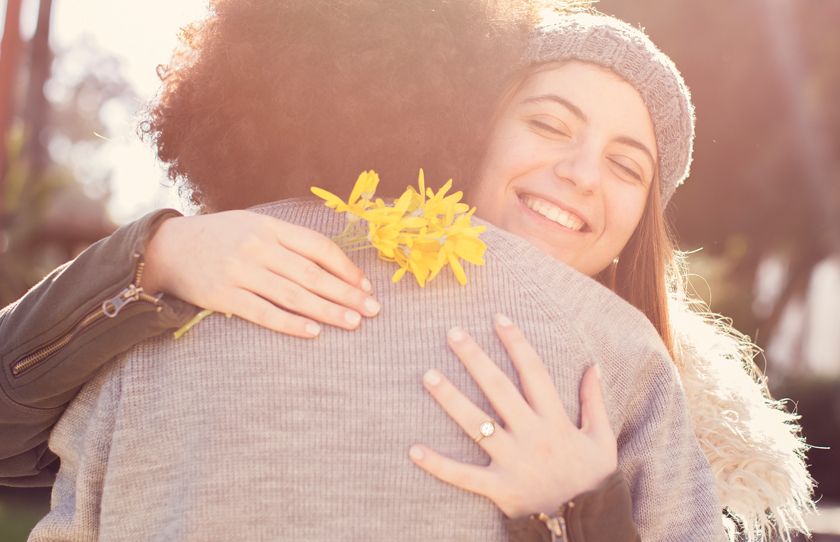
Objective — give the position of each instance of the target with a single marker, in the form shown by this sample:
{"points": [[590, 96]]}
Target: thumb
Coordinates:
{"points": [[595, 421]]}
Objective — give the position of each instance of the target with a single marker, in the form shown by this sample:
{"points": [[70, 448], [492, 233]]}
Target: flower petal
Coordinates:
{"points": [[399, 274], [457, 269], [332, 201]]}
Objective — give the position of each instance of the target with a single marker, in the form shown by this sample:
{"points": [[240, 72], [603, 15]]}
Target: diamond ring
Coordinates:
{"points": [[486, 429]]}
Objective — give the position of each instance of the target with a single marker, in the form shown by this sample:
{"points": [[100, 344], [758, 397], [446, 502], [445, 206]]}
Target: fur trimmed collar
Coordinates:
{"points": [[752, 443]]}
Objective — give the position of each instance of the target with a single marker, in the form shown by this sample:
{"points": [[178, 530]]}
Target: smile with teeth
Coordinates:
{"points": [[553, 213]]}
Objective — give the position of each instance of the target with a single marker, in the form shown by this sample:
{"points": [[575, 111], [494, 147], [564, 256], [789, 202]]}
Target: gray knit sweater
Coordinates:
{"points": [[237, 433]]}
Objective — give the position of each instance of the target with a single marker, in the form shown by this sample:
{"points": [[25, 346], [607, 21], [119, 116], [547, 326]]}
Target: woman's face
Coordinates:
{"points": [[569, 164]]}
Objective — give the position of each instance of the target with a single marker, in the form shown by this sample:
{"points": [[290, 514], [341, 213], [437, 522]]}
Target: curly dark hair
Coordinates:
{"points": [[267, 97]]}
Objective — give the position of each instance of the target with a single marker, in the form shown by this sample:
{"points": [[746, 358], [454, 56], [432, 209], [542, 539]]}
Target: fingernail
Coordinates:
{"points": [[598, 370], [432, 377], [372, 306], [455, 334], [415, 453], [503, 320], [367, 286], [313, 329], [352, 317]]}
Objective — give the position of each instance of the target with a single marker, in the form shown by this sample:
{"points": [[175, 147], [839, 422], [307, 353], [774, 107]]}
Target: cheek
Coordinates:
{"points": [[626, 210]]}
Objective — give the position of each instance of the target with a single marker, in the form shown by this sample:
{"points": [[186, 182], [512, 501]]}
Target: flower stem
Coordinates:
{"points": [[195, 319], [356, 249]]}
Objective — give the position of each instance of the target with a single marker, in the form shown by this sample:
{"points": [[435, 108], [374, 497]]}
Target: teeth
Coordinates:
{"points": [[553, 213]]}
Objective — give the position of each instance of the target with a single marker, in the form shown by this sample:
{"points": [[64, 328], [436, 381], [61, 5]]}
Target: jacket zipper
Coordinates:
{"points": [[557, 524], [110, 308]]}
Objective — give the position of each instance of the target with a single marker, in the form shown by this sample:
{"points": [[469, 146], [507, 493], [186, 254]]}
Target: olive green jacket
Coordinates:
{"points": [[87, 311]]}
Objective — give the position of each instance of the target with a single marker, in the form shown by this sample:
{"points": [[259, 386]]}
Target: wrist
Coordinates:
{"points": [[154, 258]]}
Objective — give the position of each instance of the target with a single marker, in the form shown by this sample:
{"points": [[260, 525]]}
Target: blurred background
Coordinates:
{"points": [[761, 208]]}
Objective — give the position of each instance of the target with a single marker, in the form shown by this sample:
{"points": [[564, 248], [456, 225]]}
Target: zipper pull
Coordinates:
{"points": [[113, 306], [556, 524], [557, 527]]}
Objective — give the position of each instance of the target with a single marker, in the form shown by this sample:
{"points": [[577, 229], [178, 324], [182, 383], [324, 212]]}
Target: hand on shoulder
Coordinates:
{"points": [[273, 273]]}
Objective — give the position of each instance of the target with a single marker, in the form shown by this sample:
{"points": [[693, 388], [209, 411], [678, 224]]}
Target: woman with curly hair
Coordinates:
{"points": [[249, 114]]}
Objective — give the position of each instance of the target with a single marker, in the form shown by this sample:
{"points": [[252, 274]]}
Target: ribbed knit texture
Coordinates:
{"points": [[237, 433], [627, 51]]}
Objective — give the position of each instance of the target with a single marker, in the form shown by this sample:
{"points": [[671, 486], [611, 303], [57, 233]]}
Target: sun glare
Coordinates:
{"points": [[140, 35]]}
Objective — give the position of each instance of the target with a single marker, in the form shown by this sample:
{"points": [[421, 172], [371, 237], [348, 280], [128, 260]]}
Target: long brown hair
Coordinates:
{"points": [[647, 273]]}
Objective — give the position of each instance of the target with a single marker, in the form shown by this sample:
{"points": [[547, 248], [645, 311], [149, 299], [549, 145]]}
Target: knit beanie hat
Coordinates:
{"points": [[628, 52]]}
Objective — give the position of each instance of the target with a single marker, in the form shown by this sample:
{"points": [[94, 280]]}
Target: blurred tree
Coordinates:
{"points": [[36, 109], [9, 53], [54, 199]]}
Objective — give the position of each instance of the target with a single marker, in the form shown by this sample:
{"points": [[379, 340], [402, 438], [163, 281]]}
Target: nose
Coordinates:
{"points": [[581, 167]]}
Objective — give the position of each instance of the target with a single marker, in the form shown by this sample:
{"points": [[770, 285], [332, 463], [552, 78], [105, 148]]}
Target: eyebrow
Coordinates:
{"points": [[576, 111], [562, 101]]}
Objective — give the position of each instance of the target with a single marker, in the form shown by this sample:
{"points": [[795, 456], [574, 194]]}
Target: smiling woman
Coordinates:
{"points": [[568, 165]]}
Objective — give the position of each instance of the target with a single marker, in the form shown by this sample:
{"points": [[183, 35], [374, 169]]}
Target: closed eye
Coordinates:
{"points": [[544, 126], [627, 170]]}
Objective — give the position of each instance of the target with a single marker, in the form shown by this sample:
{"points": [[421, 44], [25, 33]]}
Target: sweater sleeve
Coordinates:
{"points": [[674, 496], [54, 338]]}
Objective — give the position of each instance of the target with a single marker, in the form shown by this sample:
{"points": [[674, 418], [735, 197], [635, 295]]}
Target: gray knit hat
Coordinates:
{"points": [[627, 51]]}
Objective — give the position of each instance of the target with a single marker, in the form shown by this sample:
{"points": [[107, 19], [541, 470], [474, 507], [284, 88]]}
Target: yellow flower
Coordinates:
{"points": [[385, 238], [360, 196], [422, 231], [459, 239]]}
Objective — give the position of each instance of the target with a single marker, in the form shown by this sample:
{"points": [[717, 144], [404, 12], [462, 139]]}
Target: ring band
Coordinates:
{"points": [[486, 429]]}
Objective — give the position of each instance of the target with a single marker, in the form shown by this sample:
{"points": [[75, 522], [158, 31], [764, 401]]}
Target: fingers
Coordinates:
{"points": [[462, 475], [293, 297], [309, 275], [594, 419], [321, 250], [497, 387], [208, 259], [537, 384], [464, 412], [255, 309]]}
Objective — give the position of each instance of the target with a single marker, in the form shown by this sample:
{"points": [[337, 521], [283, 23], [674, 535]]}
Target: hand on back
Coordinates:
{"points": [[278, 275], [539, 457]]}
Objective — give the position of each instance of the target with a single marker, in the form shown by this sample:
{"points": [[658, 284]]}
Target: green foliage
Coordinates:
{"points": [[20, 510], [23, 258]]}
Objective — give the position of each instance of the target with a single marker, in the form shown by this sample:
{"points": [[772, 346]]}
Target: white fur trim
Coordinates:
{"points": [[752, 443]]}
